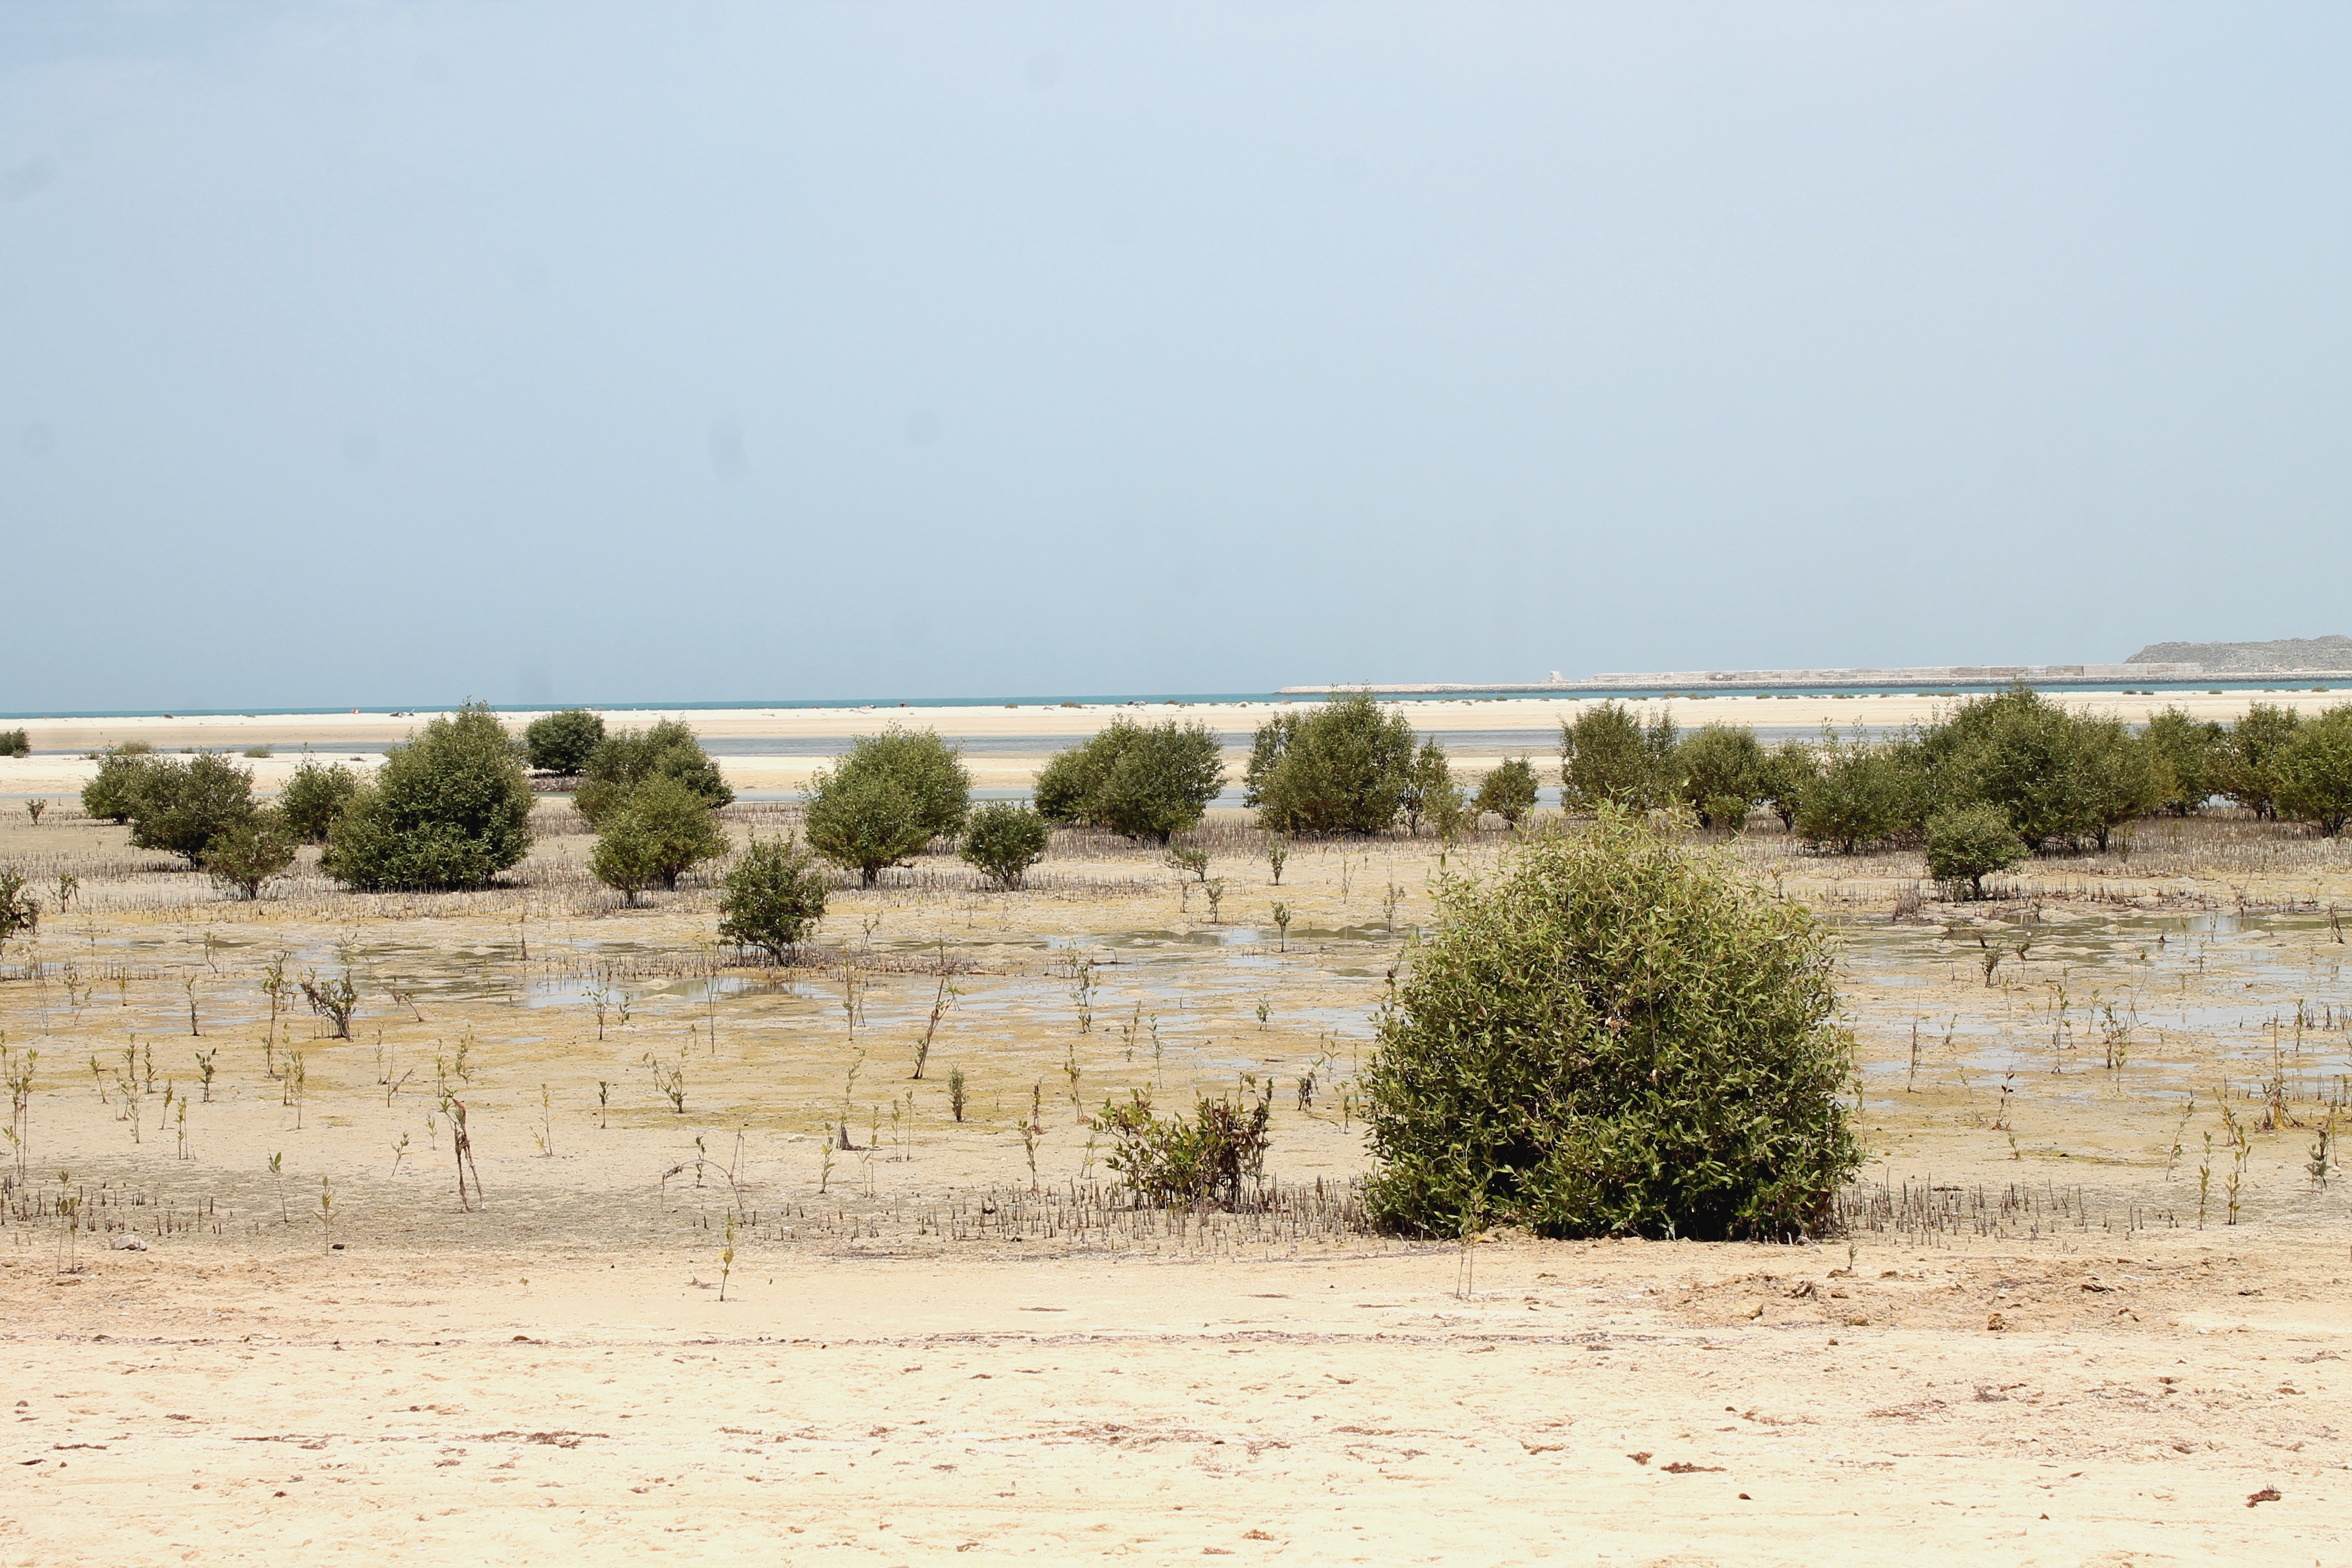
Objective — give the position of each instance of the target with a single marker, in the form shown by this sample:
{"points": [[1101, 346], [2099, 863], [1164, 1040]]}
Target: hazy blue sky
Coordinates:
{"points": [[384, 353]]}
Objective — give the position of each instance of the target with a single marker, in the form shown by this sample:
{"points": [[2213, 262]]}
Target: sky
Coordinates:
{"points": [[386, 354]]}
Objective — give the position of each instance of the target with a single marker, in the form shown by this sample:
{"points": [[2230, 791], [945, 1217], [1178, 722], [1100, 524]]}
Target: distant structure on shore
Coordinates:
{"points": [[2333, 654], [2328, 657]]}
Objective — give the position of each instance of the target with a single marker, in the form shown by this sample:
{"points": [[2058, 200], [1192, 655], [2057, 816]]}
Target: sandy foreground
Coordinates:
{"points": [[1635, 1403], [1478, 733]]}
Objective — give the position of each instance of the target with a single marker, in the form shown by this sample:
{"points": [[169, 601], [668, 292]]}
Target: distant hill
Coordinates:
{"points": [[2287, 653]]}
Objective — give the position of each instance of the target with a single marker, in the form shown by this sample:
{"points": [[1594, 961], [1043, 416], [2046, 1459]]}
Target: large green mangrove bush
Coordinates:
{"points": [[1615, 1035], [1146, 781], [890, 795], [449, 808], [1345, 767]]}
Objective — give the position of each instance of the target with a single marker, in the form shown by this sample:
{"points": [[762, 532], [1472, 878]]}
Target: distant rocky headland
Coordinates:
{"points": [[2282, 653]]}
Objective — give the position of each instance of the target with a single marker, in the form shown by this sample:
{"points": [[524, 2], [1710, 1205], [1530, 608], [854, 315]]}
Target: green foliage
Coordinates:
{"points": [[1860, 796], [893, 793], [1343, 768], [1787, 774], [19, 910], [181, 806], [1966, 844], [245, 856], [2315, 771], [16, 743], [122, 770], [1509, 792], [2116, 779], [563, 743], [1207, 1161], [313, 797], [1430, 791], [2059, 778], [1608, 758], [1004, 840], [2189, 757], [449, 809], [1146, 782], [622, 762], [1721, 769], [2249, 760], [1615, 1036], [771, 897], [661, 830]]}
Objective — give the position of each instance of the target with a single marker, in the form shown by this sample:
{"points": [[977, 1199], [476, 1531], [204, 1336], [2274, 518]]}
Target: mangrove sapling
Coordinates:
{"points": [[1070, 1071], [1033, 1129], [848, 1093], [1082, 994], [1187, 857], [545, 1133], [273, 986], [727, 1258], [1277, 852], [334, 1000], [2239, 1152], [325, 1214], [956, 1092], [1282, 928], [2323, 1150], [1264, 1011], [1206, 1160], [33, 808], [853, 996], [2204, 1180], [669, 1081], [604, 1102], [205, 1072], [19, 1079], [277, 1179], [1216, 895], [189, 985], [399, 1152], [1389, 902], [461, 1146], [297, 1085], [946, 993], [2187, 1108]]}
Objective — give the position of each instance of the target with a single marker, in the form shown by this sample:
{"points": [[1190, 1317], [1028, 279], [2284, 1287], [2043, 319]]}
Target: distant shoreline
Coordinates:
{"points": [[1892, 683]]}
